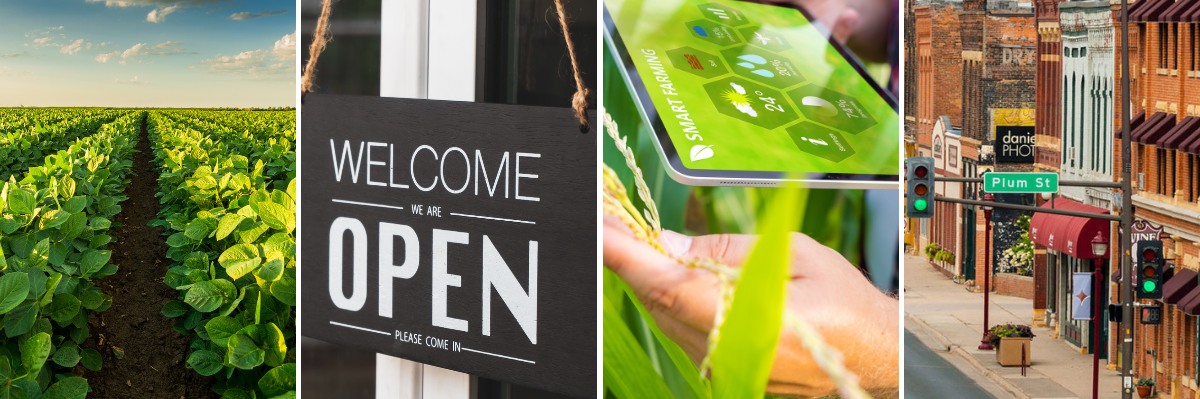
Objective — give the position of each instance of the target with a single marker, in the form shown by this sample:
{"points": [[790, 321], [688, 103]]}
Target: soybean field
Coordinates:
{"points": [[147, 253]]}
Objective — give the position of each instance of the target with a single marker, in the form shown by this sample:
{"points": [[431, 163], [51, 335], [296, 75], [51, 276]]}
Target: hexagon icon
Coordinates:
{"points": [[750, 102], [765, 38], [832, 109], [724, 14], [763, 66], [713, 32], [820, 141], [697, 62]]}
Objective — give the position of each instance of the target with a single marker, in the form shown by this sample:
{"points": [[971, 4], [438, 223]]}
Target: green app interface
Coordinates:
{"points": [[750, 87]]}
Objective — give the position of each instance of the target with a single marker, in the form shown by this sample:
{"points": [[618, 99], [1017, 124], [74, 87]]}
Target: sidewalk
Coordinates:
{"points": [[936, 306]]}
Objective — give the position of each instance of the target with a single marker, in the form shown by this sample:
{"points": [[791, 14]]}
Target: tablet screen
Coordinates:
{"points": [[751, 87]]}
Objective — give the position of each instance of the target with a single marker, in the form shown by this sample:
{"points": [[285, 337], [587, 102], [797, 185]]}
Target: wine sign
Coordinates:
{"points": [[456, 234]]}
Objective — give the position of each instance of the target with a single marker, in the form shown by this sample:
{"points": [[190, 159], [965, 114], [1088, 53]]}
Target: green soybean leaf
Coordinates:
{"points": [[92, 359], [66, 187], [94, 260], [67, 356], [14, 288], [174, 309], [35, 352], [271, 270], [205, 362], [53, 218], [237, 393], [285, 290], [178, 240], [279, 380], [75, 205], [228, 224], [20, 320], [68, 388], [221, 328], [94, 299], [196, 230], [239, 260], [63, 308], [205, 296], [244, 353], [21, 201], [276, 216], [74, 226]]}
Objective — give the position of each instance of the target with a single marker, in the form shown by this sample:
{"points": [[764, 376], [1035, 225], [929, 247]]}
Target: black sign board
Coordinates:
{"points": [[1151, 314], [456, 234], [1014, 144]]}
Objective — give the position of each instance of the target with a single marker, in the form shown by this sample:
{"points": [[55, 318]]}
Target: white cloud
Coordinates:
{"points": [[159, 15], [104, 57], [134, 81], [278, 60], [157, 3], [141, 49], [242, 16], [14, 55], [42, 40], [72, 48], [133, 51]]}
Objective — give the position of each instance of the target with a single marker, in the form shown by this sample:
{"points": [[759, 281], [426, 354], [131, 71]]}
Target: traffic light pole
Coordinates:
{"points": [[1102, 216], [1126, 215]]}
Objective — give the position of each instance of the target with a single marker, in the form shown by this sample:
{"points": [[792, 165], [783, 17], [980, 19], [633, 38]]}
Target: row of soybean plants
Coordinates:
{"points": [[28, 136], [231, 222], [54, 220]]}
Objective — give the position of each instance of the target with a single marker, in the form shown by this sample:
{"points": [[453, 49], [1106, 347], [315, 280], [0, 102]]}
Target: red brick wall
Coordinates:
{"points": [[1015, 285]]}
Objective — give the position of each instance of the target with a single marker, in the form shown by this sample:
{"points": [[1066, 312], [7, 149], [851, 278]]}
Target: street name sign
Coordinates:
{"points": [[1020, 182], [456, 234]]}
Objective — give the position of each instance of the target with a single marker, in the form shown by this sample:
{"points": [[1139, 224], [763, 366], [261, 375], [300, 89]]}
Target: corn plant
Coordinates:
{"points": [[232, 240], [53, 223]]}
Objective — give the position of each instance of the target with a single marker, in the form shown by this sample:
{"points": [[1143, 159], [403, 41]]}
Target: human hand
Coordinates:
{"points": [[861, 24], [831, 294]]}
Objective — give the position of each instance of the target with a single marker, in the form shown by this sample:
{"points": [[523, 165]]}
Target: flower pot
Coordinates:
{"points": [[1009, 351], [1144, 390]]}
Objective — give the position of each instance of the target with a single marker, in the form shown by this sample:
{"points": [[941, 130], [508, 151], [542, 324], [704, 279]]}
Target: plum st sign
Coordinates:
{"points": [[1018, 182], [460, 235]]}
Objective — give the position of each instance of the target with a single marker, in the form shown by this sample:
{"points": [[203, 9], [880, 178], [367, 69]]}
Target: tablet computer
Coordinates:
{"points": [[746, 94]]}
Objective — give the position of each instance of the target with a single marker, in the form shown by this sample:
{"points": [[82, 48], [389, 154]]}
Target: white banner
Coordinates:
{"points": [[1081, 295]]}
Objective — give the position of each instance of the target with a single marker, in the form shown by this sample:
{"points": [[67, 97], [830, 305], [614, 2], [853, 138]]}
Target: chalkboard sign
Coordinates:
{"points": [[1014, 144], [460, 235]]}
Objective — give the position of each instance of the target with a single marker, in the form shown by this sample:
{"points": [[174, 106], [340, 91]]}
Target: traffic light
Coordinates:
{"points": [[1150, 268], [919, 196]]}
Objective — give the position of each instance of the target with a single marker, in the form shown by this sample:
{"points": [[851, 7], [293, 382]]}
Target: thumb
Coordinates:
{"points": [[843, 27]]}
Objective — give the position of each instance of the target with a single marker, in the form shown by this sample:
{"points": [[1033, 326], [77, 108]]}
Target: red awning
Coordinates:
{"points": [[1154, 10], [1192, 14], [1154, 128], [1191, 145], [1068, 234], [1179, 286], [1190, 303], [1136, 9], [1175, 12], [1140, 131], [1133, 124], [1179, 133]]}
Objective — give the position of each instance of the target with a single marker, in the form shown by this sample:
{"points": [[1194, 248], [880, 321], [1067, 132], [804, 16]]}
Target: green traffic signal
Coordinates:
{"points": [[1148, 286], [920, 205]]}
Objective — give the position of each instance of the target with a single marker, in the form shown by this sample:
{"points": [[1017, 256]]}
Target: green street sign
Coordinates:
{"points": [[1015, 182]]}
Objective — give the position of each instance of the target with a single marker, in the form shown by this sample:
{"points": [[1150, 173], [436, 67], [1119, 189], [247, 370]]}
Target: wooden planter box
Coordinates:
{"points": [[1009, 352]]}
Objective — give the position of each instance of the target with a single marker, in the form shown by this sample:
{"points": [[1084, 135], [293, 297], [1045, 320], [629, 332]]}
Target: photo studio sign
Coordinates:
{"points": [[1014, 144], [456, 234]]}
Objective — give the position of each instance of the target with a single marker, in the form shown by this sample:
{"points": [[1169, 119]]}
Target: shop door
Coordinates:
{"points": [[967, 252]]}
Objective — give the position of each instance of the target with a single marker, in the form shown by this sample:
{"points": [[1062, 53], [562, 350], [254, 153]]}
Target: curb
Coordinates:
{"points": [[957, 350]]}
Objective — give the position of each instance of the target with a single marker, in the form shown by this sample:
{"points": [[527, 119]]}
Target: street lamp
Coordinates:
{"points": [[986, 344], [1099, 248]]}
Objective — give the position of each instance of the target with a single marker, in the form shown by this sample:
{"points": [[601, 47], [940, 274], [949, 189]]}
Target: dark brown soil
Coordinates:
{"points": [[154, 365]]}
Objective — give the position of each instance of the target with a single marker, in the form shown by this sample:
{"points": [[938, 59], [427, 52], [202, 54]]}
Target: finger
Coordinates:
{"points": [[846, 21], [729, 249], [629, 257]]}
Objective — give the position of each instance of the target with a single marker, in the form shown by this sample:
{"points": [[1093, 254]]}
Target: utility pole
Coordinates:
{"points": [[1126, 215]]}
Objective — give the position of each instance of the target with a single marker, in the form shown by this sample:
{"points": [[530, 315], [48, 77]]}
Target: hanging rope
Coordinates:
{"points": [[320, 38], [579, 100]]}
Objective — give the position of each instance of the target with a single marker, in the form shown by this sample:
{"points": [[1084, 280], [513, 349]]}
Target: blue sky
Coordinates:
{"points": [[148, 53]]}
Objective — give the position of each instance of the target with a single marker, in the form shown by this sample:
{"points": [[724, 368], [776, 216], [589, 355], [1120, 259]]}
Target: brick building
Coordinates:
{"points": [[1165, 58]]}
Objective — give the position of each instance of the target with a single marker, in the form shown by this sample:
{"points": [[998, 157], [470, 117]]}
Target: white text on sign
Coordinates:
{"points": [[378, 163]]}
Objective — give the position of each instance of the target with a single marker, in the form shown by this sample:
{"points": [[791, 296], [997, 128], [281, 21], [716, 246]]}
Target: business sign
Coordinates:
{"points": [[460, 235], [1020, 182], [1144, 231], [1081, 296], [1014, 144]]}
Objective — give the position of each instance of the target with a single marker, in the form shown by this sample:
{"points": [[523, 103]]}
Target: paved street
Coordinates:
{"points": [[928, 375], [952, 317]]}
